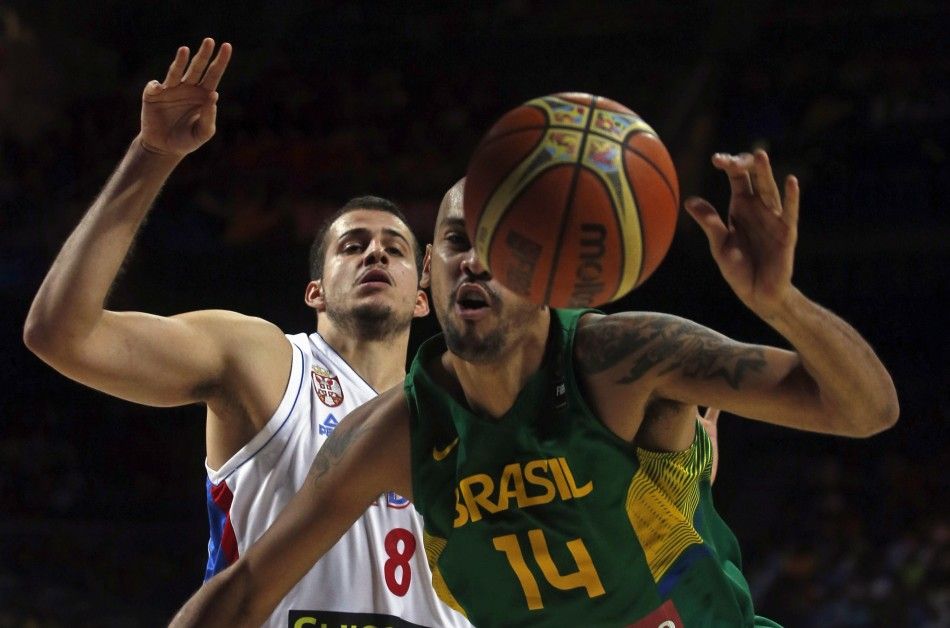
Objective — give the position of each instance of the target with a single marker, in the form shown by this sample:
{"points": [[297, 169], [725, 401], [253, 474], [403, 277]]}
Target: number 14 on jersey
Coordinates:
{"points": [[585, 577]]}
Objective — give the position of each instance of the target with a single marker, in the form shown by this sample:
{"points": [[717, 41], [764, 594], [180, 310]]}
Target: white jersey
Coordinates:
{"points": [[377, 573]]}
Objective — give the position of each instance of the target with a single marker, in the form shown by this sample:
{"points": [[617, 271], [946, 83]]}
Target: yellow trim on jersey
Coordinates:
{"points": [[434, 547], [662, 501]]}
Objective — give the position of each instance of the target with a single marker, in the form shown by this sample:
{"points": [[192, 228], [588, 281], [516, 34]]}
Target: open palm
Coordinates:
{"points": [[755, 250], [178, 114]]}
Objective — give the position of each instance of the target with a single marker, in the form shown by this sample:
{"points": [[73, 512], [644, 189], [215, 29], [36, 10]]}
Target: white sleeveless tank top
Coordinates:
{"points": [[377, 574]]}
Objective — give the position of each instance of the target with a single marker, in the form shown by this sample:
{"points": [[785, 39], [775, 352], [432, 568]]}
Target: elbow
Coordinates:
{"points": [[888, 407], [45, 340], [37, 336], [888, 412], [878, 415], [53, 341]]}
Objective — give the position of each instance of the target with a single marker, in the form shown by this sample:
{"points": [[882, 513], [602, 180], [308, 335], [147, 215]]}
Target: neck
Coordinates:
{"points": [[492, 387], [382, 363]]}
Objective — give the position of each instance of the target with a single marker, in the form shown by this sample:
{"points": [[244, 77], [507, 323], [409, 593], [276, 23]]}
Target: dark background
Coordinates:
{"points": [[102, 501]]}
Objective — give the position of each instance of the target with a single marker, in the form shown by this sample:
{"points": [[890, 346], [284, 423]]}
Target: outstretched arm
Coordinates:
{"points": [[368, 454], [755, 254], [140, 357], [830, 382]]}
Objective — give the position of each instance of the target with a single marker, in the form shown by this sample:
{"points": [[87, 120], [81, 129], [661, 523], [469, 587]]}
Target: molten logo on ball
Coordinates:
{"points": [[571, 200], [589, 271]]}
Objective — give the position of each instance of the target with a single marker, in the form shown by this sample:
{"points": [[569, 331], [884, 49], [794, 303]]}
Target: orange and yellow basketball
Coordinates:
{"points": [[571, 200]]}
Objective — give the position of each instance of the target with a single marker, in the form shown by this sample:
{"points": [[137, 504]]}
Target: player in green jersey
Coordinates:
{"points": [[555, 455]]}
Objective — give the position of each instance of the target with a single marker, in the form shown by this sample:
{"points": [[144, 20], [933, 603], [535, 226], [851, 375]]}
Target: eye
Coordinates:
{"points": [[352, 247], [457, 239], [395, 250]]}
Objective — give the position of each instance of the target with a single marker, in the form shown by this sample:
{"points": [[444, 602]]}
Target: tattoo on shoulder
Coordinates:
{"points": [[674, 342]]}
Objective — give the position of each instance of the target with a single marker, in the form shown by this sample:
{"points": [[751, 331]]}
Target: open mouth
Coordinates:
{"points": [[375, 276], [472, 298]]}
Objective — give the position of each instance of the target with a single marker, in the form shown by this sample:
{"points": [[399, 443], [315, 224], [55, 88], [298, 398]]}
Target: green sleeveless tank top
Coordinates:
{"points": [[544, 517]]}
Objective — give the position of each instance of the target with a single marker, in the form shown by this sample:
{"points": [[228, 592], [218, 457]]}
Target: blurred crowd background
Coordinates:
{"points": [[102, 518]]}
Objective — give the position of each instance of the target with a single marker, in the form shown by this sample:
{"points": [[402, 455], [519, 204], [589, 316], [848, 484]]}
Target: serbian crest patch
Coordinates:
{"points": [[327, 386]]}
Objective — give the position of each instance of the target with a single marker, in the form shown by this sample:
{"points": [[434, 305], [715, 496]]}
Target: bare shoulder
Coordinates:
{"points": [[626, 362], [604, 341], [254, 366]]}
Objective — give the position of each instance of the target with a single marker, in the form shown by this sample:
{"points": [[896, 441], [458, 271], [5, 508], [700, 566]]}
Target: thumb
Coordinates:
{"points": [[152, 88], [207, 116], [708, 220]]}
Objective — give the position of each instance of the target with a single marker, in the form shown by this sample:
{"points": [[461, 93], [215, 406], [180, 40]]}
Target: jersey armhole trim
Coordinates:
{"points": [[284, 411]]}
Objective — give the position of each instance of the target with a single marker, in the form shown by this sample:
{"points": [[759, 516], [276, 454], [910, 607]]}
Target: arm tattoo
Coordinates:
{"points": [[334, 448], [678, 344]]}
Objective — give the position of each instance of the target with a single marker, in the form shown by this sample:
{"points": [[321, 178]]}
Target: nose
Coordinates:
{"points": [[375, 253], [473, 267]]}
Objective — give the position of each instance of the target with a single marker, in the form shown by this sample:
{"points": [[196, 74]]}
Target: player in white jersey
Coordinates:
{"points": [[376, 568], [271, 399]]}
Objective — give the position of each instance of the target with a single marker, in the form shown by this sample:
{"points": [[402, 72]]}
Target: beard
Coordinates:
{"points": [[370, 322], [462, 339], [466, 344]]}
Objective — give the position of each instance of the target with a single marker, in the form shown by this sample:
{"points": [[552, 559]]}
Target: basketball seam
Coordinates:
{"points": [[512, 203], [656, 168], [636, 202], [570, 198], [488, 197], [542, 127], [548, 127]]}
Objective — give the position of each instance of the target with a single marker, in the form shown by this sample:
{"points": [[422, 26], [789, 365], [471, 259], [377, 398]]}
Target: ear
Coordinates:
{"points": [[426, 280], [313, 296], [422, 305]]}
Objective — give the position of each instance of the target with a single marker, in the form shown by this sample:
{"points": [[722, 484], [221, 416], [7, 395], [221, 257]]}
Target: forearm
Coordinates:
{"points": [[72, 296], [368, 454], [854, 388], [219, 602]]}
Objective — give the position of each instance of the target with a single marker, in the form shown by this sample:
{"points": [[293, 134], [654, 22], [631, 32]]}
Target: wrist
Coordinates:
{"points": [[787, 309], [140, 145]]}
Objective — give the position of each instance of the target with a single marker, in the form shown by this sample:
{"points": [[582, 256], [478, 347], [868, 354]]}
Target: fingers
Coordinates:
{"points": [[177, 68], [200, 61], [751, 176], [213, 76], [736, 168], [792, 196], [763, 182], [709, 221]]}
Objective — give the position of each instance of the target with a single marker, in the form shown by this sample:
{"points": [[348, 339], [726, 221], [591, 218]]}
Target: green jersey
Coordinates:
{"points": [[544, 517]]}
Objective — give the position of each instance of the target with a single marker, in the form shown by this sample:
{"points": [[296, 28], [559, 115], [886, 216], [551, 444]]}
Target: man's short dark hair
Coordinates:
{"points": [[318, 250]]}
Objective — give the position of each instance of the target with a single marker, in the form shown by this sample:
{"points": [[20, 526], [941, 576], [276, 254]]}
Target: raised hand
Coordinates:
{"points": [[755, 250], [178, 114]]}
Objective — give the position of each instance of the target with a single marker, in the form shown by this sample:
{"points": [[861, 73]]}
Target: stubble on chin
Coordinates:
{"points": [[370, 322], [467, 345]]}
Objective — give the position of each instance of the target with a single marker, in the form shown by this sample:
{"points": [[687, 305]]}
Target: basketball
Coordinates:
{"points": [[571, 200]]}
